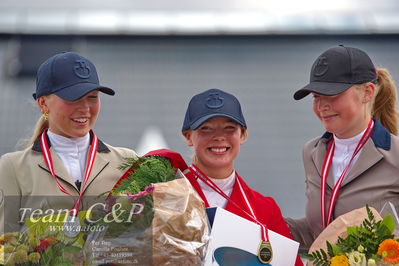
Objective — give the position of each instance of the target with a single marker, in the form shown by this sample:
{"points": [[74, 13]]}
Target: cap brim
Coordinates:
{"points": [[77, 91], [323, 88], [200, 121]]}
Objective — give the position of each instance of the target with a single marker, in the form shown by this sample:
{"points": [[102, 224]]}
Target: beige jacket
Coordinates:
{"points": [[26, 182], [373, 180]]}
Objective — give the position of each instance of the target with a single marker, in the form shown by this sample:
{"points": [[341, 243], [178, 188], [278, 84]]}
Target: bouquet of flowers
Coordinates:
{"points": [[371, 243], [152, 216], [27, 249], [42, 241]]}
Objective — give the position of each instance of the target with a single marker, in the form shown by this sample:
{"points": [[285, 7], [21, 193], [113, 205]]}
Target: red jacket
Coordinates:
{"points": [[265, 208]]}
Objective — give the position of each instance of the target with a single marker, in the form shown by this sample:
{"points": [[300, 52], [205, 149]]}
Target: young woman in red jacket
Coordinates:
{"points": [[215, 127]]}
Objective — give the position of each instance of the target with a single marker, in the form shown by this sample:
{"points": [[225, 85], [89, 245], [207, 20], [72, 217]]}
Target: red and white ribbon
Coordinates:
{"points": [[89, 166], [326, 168], [204, 178]]}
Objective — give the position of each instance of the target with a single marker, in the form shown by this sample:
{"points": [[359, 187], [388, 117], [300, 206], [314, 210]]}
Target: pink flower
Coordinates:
{"points": [[134, 197]]}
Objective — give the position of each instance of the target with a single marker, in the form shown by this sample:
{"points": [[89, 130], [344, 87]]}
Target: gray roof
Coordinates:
{"points": [[198, 17]]}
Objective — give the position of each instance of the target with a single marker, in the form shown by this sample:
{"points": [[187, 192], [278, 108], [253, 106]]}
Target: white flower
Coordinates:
{"points": [[371, 262], [356, 258]]}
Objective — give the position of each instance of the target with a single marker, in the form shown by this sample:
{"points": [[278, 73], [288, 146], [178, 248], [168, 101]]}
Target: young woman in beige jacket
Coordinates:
{"points": [[356, 161], [65, 160]]}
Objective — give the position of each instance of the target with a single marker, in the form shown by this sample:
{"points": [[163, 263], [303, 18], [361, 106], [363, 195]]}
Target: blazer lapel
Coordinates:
{"points": [[368, 157], [318, 157], [99, 164], [59, 169]]}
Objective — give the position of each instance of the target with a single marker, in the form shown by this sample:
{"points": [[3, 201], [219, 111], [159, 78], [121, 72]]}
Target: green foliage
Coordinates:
{"points": [[54, 255], [369, 235], [62, 261], [137, 223], [333, 249], [147, 170], [318, 257]]}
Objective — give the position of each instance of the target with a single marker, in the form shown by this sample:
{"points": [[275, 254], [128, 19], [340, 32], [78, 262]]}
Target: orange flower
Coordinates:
{"points": [[51, 240], [389, 250], [340, 260]]}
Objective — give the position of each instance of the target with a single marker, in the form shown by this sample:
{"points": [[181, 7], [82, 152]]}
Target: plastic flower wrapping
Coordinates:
{"points": [[152, 216], [370, 243]]}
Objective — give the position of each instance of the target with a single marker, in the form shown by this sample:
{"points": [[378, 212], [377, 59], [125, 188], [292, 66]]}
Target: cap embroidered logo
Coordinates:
{"points": [[214, 101], [81, 69], [336, 70], [321, 67]]}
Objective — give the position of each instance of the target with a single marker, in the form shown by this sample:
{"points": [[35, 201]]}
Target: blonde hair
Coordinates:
{"points": [[244, 133], [41, 124], [384, 105]]}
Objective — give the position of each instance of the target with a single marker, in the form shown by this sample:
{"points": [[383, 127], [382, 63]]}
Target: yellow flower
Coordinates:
{"points": [[7, 237], [340, 260], [33, 241], [389, 250], [371, 262], [1, 254], [20, 256], [24, 247], [34, 257], [9, 249]]}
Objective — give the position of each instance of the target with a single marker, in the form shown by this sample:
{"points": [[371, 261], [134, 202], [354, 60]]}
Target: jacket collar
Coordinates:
{"points": [[369, 156], [380, 136], [37, 147]]}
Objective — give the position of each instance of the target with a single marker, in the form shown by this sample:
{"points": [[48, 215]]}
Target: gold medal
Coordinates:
{"points": [[265, 253]]}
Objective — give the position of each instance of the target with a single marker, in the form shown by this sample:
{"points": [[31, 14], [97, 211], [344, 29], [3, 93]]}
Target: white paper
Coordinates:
{"points": [[230, 230]]}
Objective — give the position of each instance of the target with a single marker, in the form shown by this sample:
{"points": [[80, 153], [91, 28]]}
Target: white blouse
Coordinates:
{"points": [[225, 184], [344, 149], [72, 152]]}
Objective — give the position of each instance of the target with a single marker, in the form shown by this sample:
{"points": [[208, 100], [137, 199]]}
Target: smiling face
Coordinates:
{"points": [[216, 144], [345, 114], [71, 119]]}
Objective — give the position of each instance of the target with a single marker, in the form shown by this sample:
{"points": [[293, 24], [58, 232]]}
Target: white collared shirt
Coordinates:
{"points": [[72, 152], [344, 149], [225, 184]]}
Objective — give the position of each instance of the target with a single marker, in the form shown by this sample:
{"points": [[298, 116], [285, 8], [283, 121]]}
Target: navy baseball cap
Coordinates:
{"points": [[212, 103], [338, 69], [69, 76]]}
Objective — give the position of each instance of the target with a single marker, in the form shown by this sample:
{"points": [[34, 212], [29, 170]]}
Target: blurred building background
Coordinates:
{"points": [[158, 54]]}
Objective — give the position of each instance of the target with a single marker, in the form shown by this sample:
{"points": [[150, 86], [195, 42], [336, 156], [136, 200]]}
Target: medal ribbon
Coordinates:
{"points": [[204, 178], [90, 162], [326, 167]]}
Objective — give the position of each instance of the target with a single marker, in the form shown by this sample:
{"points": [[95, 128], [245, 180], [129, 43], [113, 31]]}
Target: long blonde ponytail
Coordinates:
{"points": [[40, 125], [385, 108]]}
